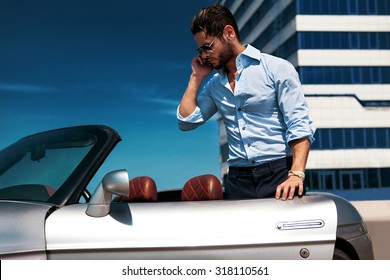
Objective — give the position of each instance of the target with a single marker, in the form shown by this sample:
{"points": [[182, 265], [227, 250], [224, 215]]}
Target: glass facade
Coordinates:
{"points": [[337, 140], [343, 7], [276, 26], [318, 40], [344, 75], [344, 40], [256, 17], [351, 138], [288, 48], [347, 179]]}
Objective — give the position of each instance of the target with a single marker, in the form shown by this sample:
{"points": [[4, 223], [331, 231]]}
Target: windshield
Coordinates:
{"points": [[35, 171]]}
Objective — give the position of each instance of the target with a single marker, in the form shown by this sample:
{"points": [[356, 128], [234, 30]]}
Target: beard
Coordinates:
{"points": [[226, 55]]}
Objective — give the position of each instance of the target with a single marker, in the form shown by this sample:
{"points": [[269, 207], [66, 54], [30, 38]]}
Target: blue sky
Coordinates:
{"points": [[121, 63]]}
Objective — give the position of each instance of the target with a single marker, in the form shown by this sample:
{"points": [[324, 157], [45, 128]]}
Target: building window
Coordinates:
{"points": [[343, 7], [347, 179], [385, 178], [346, 75], [344, 40], [243, 8], [275, 27], [353, 7], [337, 140], [288, 48], [351, 138], [256, 17], [382, 137]]}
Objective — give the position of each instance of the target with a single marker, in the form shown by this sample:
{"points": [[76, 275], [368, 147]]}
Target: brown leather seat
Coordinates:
{"points": [[203, 187], [142, 189], [50, 190]]}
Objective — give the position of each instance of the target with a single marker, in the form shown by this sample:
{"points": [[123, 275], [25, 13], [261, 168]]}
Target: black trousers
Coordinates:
{"points": [[258, 181]]}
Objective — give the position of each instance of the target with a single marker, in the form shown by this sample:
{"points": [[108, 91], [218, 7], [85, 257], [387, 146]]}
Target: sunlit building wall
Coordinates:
{"points": [[341, 50]]}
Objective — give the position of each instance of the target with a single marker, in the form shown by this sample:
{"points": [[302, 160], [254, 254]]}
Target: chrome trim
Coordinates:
{"points": [[291, 225]]}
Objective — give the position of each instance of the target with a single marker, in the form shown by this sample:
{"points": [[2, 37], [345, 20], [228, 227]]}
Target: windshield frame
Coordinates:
{"points": [[74, 185]]}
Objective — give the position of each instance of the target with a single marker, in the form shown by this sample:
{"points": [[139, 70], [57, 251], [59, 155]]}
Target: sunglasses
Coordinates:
{"points": [[207, 47]]}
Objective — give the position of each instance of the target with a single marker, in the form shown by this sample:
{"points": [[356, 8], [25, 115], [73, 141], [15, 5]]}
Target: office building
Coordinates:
{"points": [[341, 50]]}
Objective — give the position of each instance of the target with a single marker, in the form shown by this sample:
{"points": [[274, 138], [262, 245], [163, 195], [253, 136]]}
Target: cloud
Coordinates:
{"points": [[167, 112], [172, 103], [163, 101], [168, 106], [26, 88]]}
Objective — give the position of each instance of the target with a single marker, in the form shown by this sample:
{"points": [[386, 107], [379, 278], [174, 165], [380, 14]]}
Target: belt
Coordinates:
{"points": [[267, 166]]}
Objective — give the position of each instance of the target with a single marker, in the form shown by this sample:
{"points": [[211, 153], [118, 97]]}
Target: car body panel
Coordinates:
{"points": [[242, 228], [46, 211], [22, 230]]}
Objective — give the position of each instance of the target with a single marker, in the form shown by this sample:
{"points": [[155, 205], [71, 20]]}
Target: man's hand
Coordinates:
{"points": [[201, 68], [287, 189]]}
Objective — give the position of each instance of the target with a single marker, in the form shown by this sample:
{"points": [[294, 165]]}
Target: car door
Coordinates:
{"points": [[304, 228]]}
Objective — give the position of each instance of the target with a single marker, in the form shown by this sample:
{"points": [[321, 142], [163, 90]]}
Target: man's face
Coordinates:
{"points": [[214, 49]]}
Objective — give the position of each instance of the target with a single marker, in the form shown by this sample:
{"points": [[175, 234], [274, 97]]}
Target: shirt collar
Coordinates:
{"points": [[251, 52], [244, 58]]}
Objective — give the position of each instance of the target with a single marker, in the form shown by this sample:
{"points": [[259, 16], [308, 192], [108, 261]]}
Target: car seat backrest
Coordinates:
{"points": [[142, 189], [203, 187], [50, 190]]}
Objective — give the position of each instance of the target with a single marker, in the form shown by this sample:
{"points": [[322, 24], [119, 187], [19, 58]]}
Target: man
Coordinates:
{"points": [[260, 100]]}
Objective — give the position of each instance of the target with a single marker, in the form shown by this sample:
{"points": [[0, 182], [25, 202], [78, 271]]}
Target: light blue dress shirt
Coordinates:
{"points": [[265, 112]]}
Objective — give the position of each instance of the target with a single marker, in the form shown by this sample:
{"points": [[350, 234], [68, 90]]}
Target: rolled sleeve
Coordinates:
{"points": [[293, 105], [192, 121], [204, 111]]}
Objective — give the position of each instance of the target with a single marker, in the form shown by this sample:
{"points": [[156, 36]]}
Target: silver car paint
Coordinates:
{"points": [[302, 228], [249, 229], [22, 230], [115, 182]]}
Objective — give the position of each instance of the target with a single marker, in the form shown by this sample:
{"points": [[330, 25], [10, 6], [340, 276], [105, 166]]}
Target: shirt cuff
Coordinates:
{"points": [[195, 117]]}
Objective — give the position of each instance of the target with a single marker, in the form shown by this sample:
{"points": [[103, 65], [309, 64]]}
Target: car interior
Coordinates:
{"points": [[203, 187]]}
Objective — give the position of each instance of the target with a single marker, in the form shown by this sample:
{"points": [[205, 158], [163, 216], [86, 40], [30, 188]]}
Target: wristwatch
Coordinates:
{"points": [[299, 174]]}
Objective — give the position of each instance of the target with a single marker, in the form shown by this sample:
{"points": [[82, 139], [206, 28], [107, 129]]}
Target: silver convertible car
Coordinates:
{"points": [[47, 212]]}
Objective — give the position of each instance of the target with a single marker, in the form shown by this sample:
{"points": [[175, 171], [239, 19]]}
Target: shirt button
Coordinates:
{"points": [[248, 145], [243, 128], [239, 109]]}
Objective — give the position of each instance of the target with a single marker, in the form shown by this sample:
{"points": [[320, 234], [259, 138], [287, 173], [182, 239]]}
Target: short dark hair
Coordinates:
{"points": [[213, 20]]}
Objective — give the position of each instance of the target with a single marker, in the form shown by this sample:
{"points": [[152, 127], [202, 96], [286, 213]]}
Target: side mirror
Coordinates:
{"points": [[115, 182]]}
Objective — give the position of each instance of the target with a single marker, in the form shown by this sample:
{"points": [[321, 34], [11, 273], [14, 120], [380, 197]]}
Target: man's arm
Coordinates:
{"points": [[188, 102], [200, 70], [300, 149]]}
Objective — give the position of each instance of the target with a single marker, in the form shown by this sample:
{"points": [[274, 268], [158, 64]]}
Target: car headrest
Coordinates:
{"points": [[142, 189], [203, 187], [50, 190]]}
